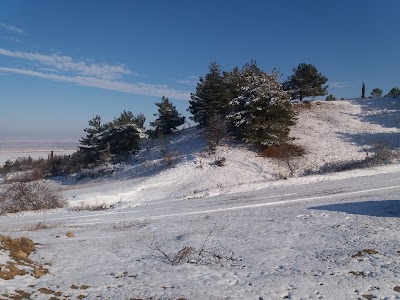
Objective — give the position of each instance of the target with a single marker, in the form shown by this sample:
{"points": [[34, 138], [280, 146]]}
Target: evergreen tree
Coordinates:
{"points": [[262, 112], [91, 144], [211, 97], [117, 138], [168, 117], [376, 93], [394, 92], [122, 136], [306, 81], [363, 90]]}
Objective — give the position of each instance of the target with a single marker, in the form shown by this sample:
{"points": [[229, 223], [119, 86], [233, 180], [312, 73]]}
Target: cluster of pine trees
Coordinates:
{"points": [[247, 103], [121, 137], [254, 105], [377, 92]]}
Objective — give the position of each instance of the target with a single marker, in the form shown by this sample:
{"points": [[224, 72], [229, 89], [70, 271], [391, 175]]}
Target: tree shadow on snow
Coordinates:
{"points": [[382, 111], [385, 208], [388, 139]]}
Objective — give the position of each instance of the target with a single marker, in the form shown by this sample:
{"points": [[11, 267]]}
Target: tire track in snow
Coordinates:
{"points": [[209, 211]]}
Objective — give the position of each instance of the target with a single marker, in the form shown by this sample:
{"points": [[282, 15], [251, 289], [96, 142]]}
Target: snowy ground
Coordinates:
{"points": [[247, 235]]}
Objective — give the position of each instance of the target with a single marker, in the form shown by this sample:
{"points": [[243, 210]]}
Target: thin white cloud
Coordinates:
{"points": [[131, 88], [339, 84], [12, 28], [14, 39], [67, 64], [190, 80]]}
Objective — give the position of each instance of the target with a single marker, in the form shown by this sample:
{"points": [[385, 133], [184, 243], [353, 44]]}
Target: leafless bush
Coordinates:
{"points": [[383, 155], [91, 206], [189, 254], [25, 196], [170, 157], [25, 176], [43, 225], [216, 129], [339, 166]]}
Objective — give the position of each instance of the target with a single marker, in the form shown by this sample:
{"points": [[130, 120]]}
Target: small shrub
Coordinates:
{"points": [[220, 161], [330, 98], [170, 157], [42, 225], [283, 150], [383, 155], [216, 129], [91, 207], [26, 196], [305, 105], [285, 154]]}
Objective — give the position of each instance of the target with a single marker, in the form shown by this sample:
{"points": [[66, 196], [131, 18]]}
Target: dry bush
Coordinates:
{"points": [[26, 196], [216, 129], [283, 150], [25, 176], [192, 255], [220, 161], [170, 157], [43, 225], [91, 207], [383, 155], [286, 154], [301, 106]]}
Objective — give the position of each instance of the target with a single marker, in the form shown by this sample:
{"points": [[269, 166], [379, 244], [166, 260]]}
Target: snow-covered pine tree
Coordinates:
{"points": [[91, 144], [123, 134], [119, 137], [211, 97], [262, 112], [168, 117]]}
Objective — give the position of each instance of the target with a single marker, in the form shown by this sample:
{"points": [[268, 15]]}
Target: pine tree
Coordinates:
{"points": [[117, 138], [168, 117], [363, 90], [376, 93], [394, 92], [262, 112], [123, 134], [211, 97], [91, 144], [306, 81]]}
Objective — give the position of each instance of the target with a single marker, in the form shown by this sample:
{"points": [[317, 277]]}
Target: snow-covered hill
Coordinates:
{"points": [[179, 167], [182, 227]]}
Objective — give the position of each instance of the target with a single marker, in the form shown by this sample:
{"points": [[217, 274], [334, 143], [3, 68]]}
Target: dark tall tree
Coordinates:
{"points": [[376, 93], [168, 117], [363, 90], [211, 96], [306, 81]]}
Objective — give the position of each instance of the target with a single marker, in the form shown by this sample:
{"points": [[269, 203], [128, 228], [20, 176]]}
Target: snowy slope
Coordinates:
{"points": [[246, 234], [330, 132]]}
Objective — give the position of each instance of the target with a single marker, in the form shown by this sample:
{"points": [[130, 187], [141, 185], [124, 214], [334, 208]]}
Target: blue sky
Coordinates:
{"points": [[63, 62]]}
